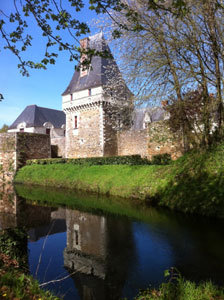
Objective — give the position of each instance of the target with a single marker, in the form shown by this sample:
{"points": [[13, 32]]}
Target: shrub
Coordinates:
{"points": [[112, 160], [161, 159]]}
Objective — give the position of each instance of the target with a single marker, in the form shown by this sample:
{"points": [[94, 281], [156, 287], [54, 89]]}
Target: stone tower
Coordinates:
{"points": [[96, 103]]}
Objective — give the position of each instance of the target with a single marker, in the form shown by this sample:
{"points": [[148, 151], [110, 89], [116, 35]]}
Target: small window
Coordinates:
{"points": [[89, 92], [48, 130], [71, 97], [76, 237], [64, 132], [76, 122], [21, 130]]}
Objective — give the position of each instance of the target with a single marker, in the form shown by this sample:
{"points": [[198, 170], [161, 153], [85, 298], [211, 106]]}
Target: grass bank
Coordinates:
{"points": [[183, 290], [194, 183]]}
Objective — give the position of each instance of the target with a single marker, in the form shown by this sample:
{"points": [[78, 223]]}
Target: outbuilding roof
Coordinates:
{"points": [[102, 70], [149, 115], [35, 116]]}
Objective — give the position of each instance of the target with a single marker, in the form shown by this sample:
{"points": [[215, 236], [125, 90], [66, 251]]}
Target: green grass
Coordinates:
{"points": [[183, 290], [117, 180], [192, 184]]}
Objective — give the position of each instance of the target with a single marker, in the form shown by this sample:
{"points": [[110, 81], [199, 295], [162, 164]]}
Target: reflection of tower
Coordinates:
{"points": [[86, 243], [91, 255]]}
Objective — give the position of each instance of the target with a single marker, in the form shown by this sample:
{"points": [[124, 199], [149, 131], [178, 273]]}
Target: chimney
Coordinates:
{"points": [[84, 43]]}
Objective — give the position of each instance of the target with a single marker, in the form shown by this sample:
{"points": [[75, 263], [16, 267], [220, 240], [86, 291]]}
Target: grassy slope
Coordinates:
{"points": [[184, 290], [193, 183]]}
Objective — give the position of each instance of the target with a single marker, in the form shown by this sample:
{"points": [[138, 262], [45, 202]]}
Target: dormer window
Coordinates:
{"points": [[48, 131], [89, 92], [71, 97]]}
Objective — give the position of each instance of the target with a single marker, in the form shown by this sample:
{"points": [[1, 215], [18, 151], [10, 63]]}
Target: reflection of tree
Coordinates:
{"points": [[99, 249]]}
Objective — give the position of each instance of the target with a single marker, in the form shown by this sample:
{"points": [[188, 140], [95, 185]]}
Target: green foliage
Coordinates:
{"points": [[179, 288], [53, 18], [14, 281], [4, 128], [13, 242], [94, 161], [161, 159], [17, 285]]}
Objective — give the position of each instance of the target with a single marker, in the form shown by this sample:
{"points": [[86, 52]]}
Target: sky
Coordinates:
{"points": [[43, 88]]}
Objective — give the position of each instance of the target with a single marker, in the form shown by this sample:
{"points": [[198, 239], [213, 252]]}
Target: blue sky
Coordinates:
{"points": [[43, 88]]}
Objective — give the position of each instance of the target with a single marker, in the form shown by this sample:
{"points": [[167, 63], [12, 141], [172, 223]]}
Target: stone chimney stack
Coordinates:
{"points": [[84, 43]]}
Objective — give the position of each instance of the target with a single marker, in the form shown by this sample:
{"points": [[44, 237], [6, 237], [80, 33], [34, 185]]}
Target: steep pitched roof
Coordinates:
{"points": [[151, 114], [102, 71], [35, 116]]}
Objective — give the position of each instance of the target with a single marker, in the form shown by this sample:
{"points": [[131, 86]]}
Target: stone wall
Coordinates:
{"points": [[156, 139], [87, 139], [60, 143], [32, 145], [161, 140], [8, 156], [109, 134], [16, 148], [132, 142]]}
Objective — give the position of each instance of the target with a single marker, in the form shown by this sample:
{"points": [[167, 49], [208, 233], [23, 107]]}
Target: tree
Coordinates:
{"points": [[191, 115], [169, 56], [4, 128], [54, 18]]}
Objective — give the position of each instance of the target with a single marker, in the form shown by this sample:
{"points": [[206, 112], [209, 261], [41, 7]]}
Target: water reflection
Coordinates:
{"points": [[109, 256], [94, 243]]}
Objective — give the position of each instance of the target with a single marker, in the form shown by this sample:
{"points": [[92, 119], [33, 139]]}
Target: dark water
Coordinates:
{"points": [[91, 253]]}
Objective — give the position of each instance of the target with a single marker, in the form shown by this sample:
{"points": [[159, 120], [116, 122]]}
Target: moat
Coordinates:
{"points": [[98, 248]]}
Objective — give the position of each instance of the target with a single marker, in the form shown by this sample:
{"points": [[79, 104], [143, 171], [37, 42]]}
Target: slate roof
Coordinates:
{"points": [[36, 116], [99, 73], [152, 114]]}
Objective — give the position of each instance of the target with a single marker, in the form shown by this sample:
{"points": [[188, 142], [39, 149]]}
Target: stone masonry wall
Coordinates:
{"points": [[110, 134], [7, 157], [156, 139], [32, 145], [60, 143], [132, 142], [87, 139], [161, 140], [16, 148]]}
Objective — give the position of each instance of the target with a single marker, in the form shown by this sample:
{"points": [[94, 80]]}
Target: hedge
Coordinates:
{"points": [[112, 160]]}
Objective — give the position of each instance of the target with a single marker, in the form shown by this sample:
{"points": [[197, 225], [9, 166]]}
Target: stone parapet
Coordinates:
{"points": [[17, 148]]}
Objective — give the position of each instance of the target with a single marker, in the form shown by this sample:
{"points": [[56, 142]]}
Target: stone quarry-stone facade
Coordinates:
{"points": [[89, 103], [17, 148], [132, 142]]}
